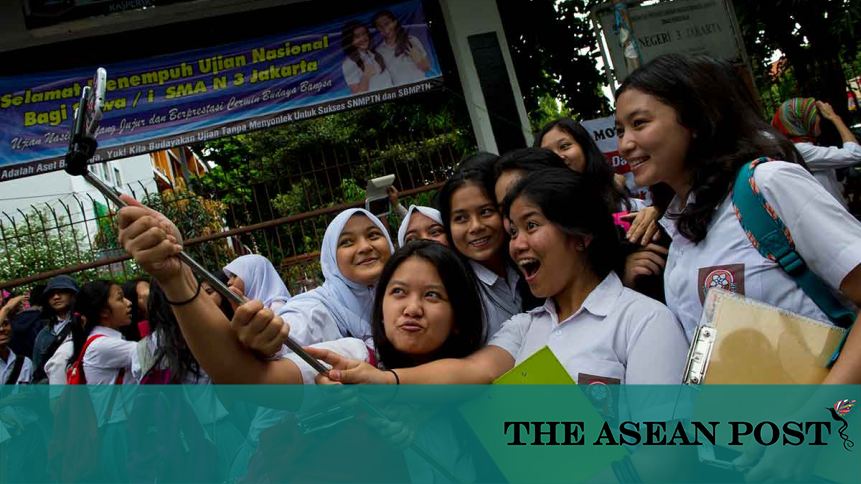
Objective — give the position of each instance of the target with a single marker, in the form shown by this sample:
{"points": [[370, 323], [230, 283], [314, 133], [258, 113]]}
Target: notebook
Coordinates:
{"points": [[542, 368]]}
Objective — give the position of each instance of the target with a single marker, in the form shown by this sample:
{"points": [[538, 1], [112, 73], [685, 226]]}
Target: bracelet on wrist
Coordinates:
{"points": [[397, 378], [192, 298]]}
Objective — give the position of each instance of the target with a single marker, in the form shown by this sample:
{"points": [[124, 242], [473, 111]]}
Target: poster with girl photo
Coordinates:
{"points": [[390, 48]]}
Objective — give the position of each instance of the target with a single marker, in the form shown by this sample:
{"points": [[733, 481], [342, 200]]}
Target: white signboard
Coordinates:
{"points": [[603, 131], [680, 26]]}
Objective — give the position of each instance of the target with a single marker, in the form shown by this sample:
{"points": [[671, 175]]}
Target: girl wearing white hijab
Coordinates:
{"points": [[355, 248], [422, 223], [257, 278]]}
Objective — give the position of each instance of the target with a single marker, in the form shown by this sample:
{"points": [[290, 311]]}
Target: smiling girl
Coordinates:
{"points": [[422, 223], [404, 54], [685, 122], [355, 248], [475, 229]]}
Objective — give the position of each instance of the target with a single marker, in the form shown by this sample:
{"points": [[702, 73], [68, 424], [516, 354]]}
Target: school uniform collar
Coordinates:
{"points": [[674, 209], [8, 361], [109, 332], [599, 302], [60, 325], [489, 278]]}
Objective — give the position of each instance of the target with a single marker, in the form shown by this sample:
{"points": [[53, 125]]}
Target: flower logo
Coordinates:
{"points": [[842, 407]]}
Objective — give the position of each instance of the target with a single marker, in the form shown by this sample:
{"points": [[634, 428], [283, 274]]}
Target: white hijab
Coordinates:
{"points": [[428, 212], [262, 281], [348, 302]]}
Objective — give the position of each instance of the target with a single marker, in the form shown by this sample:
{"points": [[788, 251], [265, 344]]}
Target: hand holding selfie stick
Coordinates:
{"points": [[82, 147]]}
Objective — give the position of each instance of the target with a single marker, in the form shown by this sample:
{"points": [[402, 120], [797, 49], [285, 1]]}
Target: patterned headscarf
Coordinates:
{"points": [[796, 119]]}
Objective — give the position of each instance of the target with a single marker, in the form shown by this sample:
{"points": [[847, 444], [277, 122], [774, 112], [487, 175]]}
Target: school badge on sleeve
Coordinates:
{"points": [[728, 277]]}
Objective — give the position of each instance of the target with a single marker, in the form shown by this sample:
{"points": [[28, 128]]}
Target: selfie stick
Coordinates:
{"points": [[82, 147]]}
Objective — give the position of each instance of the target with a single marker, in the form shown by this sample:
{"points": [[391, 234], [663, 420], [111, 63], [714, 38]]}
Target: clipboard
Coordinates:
{"points": [[742, 341]]}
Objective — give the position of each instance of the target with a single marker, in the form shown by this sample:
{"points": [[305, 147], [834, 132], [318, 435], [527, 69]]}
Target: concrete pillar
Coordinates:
{"points": [[465, 18]]}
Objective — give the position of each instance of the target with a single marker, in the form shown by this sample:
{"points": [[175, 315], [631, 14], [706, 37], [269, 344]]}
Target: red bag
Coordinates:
{"points": [[75, 373]]}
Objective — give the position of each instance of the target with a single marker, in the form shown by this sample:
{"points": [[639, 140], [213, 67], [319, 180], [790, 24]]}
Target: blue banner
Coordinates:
{"points": [[198, 95]]}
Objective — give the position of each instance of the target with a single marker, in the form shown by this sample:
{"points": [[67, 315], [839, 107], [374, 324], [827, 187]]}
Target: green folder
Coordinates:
{"points": [[542, 368], [550, 397]]}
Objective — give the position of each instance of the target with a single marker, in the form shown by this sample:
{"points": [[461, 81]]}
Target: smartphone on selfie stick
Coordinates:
{"points": [[82, 147]]}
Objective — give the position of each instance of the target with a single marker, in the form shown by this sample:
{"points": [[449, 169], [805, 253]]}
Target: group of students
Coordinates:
{"points": [[533, 232], [142, 342], [522, 251]]}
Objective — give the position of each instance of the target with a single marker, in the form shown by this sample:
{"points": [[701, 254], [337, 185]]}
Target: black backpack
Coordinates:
{"points": [[25, 326], [39, 375]]}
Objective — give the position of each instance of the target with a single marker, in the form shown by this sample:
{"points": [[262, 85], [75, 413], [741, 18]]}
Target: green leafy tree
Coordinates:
{"points": [[555, 52], [324, 161], [194, 217], [819, 39], [36, 244]]}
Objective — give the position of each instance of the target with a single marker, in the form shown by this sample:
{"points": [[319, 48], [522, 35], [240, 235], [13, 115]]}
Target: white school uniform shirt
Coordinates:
{"points": [[637, 204], [617, 336], [55, 367], [402, 67], [353, 74], [202, 398], [352, 348], [107, 355], [102, 362], [6, 366], [823, 161], [499, 297], [826, 236]]}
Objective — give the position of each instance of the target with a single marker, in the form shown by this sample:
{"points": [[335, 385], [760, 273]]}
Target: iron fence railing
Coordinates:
{"points": [[284, 219]]}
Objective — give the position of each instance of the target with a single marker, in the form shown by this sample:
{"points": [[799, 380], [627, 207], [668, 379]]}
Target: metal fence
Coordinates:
{"points": [[284, 220]]}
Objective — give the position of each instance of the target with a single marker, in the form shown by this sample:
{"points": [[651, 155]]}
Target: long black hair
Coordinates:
{"points": [[402, 39], [479, 170], [130, 291], [347, 33], [526, 160], [726, 128], [172, 352], [597, 168], [91, 300], [467, 328], [555, 191]]}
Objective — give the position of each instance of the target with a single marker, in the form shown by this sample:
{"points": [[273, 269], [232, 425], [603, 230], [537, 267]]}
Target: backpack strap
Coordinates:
{"points": [[16, 370], [78, 365], [773, 240], [48, 351]]}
